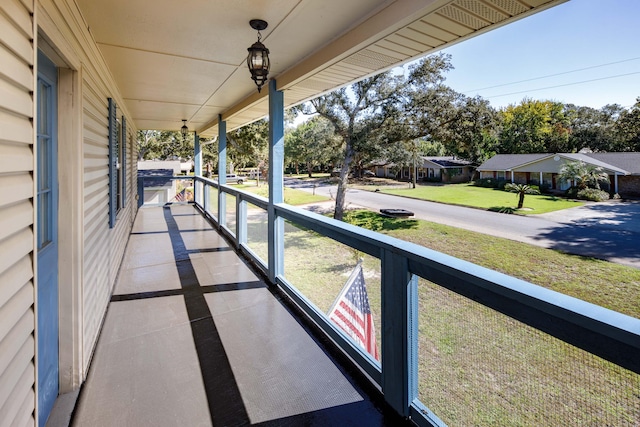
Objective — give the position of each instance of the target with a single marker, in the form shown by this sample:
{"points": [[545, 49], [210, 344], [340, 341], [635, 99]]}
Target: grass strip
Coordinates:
{"points": [[483, 198]]}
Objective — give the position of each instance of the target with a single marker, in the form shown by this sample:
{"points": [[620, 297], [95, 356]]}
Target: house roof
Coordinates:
{"points": [[447, 161], [594, 161], [156, 177], [187, 60], [621, 163], [505, 162], [629, 162]]}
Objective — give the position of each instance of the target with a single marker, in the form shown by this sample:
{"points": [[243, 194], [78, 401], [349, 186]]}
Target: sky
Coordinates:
{"points": [[583, 52]]}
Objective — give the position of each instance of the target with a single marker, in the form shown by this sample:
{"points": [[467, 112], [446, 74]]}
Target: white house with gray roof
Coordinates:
{"points": [[543, 169]]}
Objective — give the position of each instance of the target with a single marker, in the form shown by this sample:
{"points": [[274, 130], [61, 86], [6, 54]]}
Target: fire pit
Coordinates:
{"points": [[396, 213]]}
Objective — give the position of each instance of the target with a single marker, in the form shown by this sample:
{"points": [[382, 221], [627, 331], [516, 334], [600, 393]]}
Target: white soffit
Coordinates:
{"points": [[186, 60]]}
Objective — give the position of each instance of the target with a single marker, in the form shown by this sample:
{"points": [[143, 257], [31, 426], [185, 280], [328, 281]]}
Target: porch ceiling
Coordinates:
{"points": [[186, 60]]}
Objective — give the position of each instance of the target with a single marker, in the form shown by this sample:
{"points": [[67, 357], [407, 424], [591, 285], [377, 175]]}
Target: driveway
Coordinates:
{"points": [[606, 230], [609, 230]]}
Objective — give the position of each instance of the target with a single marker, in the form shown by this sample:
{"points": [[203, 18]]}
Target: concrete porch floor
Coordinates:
{"points": [[194, 337]]}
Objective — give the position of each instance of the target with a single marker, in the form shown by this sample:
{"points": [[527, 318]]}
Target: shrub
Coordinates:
{"points": [[593, 195], [571, 193], [545, 189], [432, 179], [490, 183], [484, 182], [590, 194]]}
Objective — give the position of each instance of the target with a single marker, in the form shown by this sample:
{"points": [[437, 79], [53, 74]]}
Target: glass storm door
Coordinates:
{"points": [[47, 237]]}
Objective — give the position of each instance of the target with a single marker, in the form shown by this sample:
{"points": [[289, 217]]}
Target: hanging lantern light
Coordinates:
{"points": [[184, 130], [258, 58]]}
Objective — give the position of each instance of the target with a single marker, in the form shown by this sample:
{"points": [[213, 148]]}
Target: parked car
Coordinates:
{"points": [[235, 179]]}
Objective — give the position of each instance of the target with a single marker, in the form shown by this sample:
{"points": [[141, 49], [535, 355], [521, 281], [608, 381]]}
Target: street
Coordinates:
{"points": [[608, 230]]}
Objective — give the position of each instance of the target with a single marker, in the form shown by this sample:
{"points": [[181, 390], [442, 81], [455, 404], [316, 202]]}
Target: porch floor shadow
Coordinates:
{"points": [[194, 337]]}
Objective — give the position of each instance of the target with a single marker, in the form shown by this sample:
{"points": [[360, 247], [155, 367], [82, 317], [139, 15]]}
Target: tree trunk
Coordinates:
{"points": [[520, 200], [414, 179], [310, 169], [342, 184]]}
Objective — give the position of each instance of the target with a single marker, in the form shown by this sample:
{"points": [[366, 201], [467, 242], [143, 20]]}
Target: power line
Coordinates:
{"points": [[562, 85], [553, 75]]}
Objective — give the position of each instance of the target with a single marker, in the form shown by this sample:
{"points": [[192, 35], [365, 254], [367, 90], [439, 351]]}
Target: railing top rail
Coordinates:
{"points": [[259, 201], [191, 177]]}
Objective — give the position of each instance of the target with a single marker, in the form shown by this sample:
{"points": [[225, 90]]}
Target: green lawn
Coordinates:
{"points": [[507, 373], [291, 195], [484, 198]]}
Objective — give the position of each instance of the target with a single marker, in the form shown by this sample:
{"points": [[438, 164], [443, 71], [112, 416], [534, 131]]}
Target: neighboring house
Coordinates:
{"points": [[433, 168], [186, 166], [384, 170], [543, 169], [158, 191]]}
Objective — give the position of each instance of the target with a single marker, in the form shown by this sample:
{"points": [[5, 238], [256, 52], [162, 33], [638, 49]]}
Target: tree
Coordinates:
{"points": [[164, 145], [312, 143], [628, 129], [248, 146], [592, 129], [521, 190], [386, 110], [356, 113], [583, 175], [534, 127], [429, 106], [472, 132]]}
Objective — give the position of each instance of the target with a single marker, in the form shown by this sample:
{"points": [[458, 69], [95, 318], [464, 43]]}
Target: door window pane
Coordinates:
{"points": [[43, 103], [45, 179]]}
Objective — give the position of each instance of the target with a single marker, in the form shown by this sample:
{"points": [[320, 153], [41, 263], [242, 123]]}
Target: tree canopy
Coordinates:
{"points": [[378, 117], [312, 144], [396, 117]]}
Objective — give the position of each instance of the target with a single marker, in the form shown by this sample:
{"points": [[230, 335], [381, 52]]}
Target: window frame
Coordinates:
{"points": [[117, 163]]}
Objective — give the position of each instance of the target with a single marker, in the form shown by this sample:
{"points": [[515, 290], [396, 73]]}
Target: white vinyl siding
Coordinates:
{"points": [[97, 275], [102, 248], [17, 319]]}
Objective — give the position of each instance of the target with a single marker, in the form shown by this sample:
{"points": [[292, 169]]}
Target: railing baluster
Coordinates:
{"points": [[241, 220]]}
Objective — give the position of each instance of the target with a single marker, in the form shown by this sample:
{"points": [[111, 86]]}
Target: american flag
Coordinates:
{"points": [[181, 196], [351, 312]]}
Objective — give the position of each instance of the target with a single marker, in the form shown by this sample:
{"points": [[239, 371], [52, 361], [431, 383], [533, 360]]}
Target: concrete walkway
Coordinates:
{"points": [[193, 337]]}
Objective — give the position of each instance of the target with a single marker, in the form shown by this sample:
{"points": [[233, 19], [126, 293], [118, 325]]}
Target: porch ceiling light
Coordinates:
{"points": [[258, 58], [184, 130]]}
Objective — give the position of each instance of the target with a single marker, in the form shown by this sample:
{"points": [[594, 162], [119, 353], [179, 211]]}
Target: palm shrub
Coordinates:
{"points": [[521, 190], [583, 175]]}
